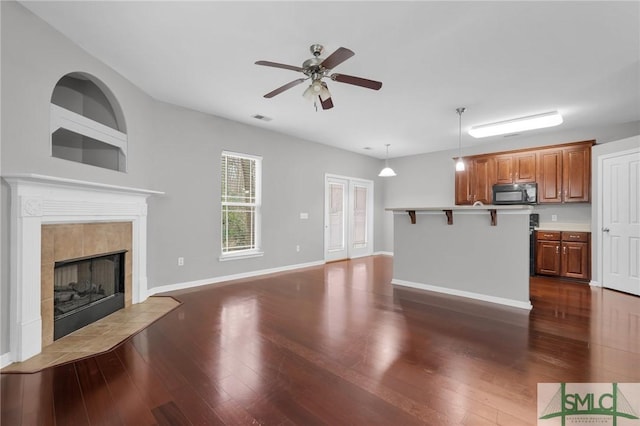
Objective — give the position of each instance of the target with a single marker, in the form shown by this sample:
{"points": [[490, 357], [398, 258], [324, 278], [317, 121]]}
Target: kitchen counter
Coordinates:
{"points": [[478, 252], [558, 226], [449, 211], [462, 208]]}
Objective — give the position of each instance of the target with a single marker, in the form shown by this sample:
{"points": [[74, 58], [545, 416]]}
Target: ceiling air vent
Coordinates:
{"points": [[262, 117]]}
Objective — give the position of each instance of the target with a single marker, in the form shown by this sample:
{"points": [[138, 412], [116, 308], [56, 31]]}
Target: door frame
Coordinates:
{"points": [[351, 181], [597, 251]]}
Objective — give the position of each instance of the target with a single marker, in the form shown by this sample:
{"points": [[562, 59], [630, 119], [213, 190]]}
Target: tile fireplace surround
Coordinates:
{"points": [[38, 200]]}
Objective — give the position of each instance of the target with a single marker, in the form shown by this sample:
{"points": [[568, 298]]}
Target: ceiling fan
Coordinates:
{"points": [[317, 68]]}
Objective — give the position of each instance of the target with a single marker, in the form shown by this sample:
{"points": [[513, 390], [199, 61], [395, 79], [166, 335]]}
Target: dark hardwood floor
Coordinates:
{"points": [[338, 345]]}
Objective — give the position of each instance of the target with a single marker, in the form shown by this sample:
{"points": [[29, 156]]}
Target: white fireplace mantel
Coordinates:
{"points": [[38, 199]]}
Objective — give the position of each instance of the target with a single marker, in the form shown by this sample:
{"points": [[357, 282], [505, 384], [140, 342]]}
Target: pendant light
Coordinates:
{"points": [[460, 163], [387, 171]]}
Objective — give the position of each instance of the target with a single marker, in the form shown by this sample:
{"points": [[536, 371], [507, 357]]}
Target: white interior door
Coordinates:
{"points": [[621, 223], [348, 218]]}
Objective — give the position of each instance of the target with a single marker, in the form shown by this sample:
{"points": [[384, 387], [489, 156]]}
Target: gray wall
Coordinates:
{"points": [[171, 149], [187, 152]]}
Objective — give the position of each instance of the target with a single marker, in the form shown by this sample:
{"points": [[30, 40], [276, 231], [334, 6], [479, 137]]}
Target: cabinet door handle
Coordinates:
{"points": [[564, 250], [557, 249]]}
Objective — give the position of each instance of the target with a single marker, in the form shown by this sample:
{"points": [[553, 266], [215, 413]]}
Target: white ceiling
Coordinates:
{"points": [[499, 59]]}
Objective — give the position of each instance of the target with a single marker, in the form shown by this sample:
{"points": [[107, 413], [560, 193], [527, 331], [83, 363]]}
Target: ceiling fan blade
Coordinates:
{"points": [[283, 88], [357, 81], [277, 65], [337, 57], [328, 104]]}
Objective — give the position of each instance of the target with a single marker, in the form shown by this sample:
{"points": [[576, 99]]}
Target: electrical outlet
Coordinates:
{"points": [[298, 248], [181, 261], [554, 218]]}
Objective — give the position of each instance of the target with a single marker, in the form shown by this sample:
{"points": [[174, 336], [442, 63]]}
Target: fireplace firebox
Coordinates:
{"points": [[87, 289]]}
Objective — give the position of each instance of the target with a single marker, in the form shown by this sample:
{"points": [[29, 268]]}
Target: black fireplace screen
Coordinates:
{"points": [[87, 289]]}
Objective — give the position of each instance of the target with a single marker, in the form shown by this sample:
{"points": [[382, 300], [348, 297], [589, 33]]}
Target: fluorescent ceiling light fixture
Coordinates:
{"points": [[538, 121]]}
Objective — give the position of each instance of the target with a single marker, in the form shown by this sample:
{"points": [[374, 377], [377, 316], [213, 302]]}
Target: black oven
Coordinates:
{"points": [[515, 193]]}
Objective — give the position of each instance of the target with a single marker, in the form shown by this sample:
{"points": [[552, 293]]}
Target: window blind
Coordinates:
{"points": [[240, 202]]}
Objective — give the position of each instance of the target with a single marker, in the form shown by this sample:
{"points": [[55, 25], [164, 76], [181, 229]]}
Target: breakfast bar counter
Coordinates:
{"points": [[479, 252]]}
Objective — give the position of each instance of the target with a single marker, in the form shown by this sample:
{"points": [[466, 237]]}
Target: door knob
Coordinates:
{"points": [[605, 229]]}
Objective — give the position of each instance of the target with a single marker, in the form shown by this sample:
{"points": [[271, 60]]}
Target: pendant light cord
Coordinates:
{"points": [[460, 111]]}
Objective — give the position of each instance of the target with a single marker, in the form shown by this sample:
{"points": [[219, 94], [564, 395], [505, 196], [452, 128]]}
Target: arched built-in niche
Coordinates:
{"points": [[87, 124]]}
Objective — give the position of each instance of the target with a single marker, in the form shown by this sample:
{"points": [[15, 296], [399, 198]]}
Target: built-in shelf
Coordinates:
{"points": [[85, 126]]}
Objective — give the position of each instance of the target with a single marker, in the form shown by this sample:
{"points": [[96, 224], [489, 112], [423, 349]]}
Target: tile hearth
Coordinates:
{"points": [[97, 337]]}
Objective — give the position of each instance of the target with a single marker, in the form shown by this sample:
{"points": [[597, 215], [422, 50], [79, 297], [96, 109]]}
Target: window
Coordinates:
{"points": [[240, 202]]}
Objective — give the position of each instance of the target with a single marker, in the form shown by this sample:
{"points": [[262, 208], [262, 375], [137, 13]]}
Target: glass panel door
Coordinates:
{"points": [[348, 218]]}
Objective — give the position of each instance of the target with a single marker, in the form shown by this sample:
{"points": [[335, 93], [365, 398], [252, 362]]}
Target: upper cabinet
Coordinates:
{"points": [[563, 173], [549, 176], [516, 168], [476, 181], [576, 174]]}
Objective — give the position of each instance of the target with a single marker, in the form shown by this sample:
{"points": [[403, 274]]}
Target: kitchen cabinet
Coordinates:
{"points": [[475, 183], [563, 253], [463, 184], [576, 174], [516, 168], [564, 174], [549, 176], [548, 253]]}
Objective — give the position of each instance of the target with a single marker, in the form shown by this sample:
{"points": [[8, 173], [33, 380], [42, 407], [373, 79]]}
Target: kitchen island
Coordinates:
{"points": [[479, 252]]}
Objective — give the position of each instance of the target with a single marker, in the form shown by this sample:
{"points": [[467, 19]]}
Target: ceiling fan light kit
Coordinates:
{"points": [[522, 124], [316, 69]]}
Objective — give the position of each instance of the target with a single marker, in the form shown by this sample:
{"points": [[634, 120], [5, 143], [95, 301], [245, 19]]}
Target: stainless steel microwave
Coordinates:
{"points": [[516, 193]]}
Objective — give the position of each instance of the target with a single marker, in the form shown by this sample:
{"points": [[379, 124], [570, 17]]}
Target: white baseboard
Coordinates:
{"points": [[216, 280], [5, 359], [470, 295], [593, 283], [384, 253]]}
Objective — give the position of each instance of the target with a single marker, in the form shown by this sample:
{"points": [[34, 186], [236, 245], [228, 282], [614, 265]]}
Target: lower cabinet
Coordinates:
{"points": [[563, 254], [548, 257]]}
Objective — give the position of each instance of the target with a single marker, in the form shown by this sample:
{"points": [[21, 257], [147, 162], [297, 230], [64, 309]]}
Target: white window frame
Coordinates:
{"points": [[257, 250]]}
